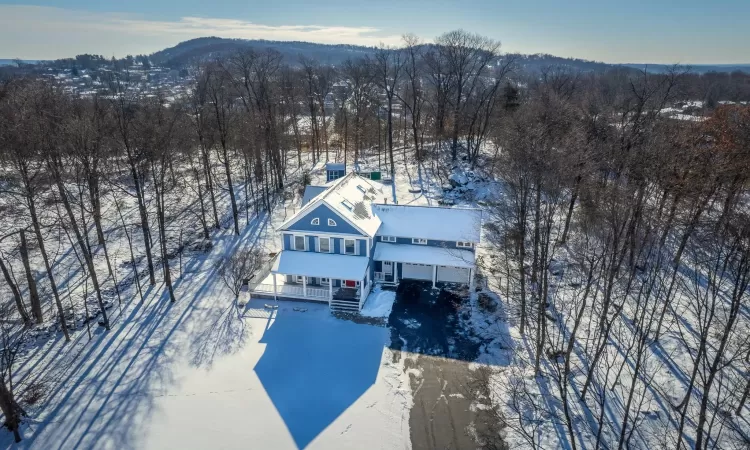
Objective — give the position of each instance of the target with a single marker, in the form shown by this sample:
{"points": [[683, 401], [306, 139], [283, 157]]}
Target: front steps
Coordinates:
{"points": [[346, 306]]}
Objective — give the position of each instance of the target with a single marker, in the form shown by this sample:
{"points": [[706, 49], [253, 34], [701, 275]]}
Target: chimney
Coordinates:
{"points": [[385, 200]]}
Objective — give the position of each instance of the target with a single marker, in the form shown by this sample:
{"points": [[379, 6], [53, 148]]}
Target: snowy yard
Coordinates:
{"points": [[251, 377]]}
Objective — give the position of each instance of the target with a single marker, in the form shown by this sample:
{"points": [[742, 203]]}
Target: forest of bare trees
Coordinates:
{"points": [[620, 236]]}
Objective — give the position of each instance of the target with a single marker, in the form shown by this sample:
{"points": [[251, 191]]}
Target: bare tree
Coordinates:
{"points": [[237, 269]]}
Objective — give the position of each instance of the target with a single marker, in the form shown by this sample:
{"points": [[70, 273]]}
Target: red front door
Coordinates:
{"points": [[349, 283]]}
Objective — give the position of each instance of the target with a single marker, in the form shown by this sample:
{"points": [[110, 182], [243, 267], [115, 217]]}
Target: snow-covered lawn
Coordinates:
{"points": [[301, 380], [233, 378]]}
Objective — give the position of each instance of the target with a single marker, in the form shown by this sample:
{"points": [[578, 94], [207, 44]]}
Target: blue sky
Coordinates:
{"points": [[656, 31]]}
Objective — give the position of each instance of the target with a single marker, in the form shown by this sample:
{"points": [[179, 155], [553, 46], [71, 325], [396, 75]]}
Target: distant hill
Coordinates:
{"points": [[198, 49], [695, 68], [12, 62]]}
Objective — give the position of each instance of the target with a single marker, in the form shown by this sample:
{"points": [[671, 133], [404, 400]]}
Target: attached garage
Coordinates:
{"points": [[416, 271], [449, 274]]}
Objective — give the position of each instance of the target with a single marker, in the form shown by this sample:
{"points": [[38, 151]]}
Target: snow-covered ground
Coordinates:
{"points": [[379, 303], [236, 379]]}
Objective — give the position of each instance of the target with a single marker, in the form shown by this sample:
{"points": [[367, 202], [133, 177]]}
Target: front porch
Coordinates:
{"points": [[344, 285]]}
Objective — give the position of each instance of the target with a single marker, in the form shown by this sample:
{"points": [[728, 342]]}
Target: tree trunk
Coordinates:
{"points": [[16, 293], [36, 304], [11, 410], [230, 188], [144, 221], [54, 169], [48, 268], [210, 185], [569, 215]]}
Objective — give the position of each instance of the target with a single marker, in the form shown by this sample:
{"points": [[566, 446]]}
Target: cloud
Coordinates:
{"points": [[39, 32]]}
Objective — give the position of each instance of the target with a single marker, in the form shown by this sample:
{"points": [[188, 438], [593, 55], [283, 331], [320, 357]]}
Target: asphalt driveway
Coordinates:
{"points": [[427, 330]]}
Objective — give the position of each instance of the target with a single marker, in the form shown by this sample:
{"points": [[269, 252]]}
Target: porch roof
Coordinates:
{"points": [[324, 265], [422, 254]]}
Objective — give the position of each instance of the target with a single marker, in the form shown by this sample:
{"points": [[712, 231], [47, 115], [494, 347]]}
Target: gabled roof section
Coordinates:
{"points": [[350, 197], [430, 222], [311, 192]]}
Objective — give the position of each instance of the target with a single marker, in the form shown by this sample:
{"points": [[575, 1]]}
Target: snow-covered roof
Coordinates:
{"points": [[335, 166], [422, 254], [311, 192], [325, 265], [351, 197], [429, 222]]}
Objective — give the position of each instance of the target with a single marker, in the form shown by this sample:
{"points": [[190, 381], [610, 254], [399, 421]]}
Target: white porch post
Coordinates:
{"points": [[471, 280], [434, 275], [330, 289], [304, 286], [274, 286]]}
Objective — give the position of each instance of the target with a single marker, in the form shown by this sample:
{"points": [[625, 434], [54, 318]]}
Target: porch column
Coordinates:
{"points": [[330, 289], [304, 286], [434, 275], [471, 280], [274, 286], [362, 289]]}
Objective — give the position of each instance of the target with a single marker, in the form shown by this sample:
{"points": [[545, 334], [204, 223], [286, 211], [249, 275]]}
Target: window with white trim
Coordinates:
{"points": [[325, 281], [350, 247], [315, 221], [324, 245], [331, 223], [464, 244], [300, 242], [388, 238], [419, 241]]}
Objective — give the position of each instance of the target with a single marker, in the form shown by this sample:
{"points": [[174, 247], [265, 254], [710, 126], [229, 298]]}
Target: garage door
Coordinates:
{"points": [[417, 271], [452, 274]]}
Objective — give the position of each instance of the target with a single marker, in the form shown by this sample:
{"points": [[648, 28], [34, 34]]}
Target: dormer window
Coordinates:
{"points": [[331, 223], [315, 221]]}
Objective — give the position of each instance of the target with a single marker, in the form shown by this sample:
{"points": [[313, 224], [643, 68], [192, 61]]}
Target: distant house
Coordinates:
{"points": [[335, 171], [342, 241]]}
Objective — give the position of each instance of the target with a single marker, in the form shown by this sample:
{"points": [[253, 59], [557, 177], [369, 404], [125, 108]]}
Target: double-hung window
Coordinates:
{"points": [[388, 238], [464, 244], [350, 247], [324, 245], [419, 241], [299, 242]]}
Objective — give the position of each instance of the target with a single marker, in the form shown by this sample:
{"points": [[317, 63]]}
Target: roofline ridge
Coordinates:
{"points": [[459, 208]]}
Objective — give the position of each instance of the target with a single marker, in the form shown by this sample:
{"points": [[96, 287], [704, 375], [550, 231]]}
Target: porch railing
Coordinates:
{"points": [[293, 291]]}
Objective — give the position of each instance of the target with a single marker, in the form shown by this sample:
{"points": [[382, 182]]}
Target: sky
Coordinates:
{"points": [[614, 31]]}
